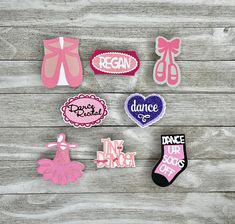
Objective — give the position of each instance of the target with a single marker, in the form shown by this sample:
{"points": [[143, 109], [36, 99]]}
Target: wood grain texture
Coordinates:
{"points": [[182, 109], [202, 142], [118, 208], [202, 108], [197, 76], [200, 176], [123, 13], [19, 43]]}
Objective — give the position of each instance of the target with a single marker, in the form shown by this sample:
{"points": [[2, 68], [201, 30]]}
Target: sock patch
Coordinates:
{"points": [[173, 160]]}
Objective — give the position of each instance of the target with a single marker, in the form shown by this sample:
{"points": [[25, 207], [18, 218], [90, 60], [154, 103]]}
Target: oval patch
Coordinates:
{"points": [[115, 62], [84, 110]]}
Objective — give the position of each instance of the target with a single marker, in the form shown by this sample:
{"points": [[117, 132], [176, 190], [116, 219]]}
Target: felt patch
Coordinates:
{"points": [[145, 111], [173, 160], [61, 63], [112, 155], [84, 110], [108, 62], [61, 170], [166, 70]]}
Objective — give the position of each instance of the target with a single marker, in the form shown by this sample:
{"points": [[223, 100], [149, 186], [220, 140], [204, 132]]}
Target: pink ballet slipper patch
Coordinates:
{"points": [[166, 70], [112, 155], [84, 110], [110, 62], [61, 64], [173, 160], [61, 170]]}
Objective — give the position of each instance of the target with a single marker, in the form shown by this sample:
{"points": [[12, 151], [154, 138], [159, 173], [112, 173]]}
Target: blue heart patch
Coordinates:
{"points": [[145, 111]]}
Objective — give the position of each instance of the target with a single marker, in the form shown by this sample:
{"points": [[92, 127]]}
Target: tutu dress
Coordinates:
{"points": [[61, 170]]}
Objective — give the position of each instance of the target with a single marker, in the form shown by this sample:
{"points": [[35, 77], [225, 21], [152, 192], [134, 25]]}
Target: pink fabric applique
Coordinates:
{"points": [[173, 161], [166, 70], [110, 62], [61, 64], [84, 110], [112, 155], [61, 170]]}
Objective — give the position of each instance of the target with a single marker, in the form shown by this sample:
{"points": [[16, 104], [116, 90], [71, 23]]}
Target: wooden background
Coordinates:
{"points": [[202, 107]]}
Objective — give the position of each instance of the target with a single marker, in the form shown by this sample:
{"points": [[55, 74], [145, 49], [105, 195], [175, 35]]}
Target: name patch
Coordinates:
{"points": [[108, 62]]}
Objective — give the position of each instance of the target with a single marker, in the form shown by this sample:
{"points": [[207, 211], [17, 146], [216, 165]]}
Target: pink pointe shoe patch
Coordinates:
{"points": [[109, 62], [173, 160], [61, 170], [166, 70], [84, 110], [61, 64], [112, 155]]}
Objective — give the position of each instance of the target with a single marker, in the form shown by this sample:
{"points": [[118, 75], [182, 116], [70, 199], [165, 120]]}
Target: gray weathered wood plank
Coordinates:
{"points": [[199, 107], [118, 208], [197, 76], [202, 142], [123, 13], [200, 176], [182, 109], [197, 43]]}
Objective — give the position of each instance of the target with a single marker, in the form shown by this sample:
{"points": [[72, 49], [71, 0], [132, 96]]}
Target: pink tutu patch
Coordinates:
{"points": [[61, 170]]}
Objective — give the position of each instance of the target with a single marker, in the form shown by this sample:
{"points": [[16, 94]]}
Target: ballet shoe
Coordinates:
{"points": [[160, 72], [173, 78], [72, 62], [51, 63], [54, 56]]}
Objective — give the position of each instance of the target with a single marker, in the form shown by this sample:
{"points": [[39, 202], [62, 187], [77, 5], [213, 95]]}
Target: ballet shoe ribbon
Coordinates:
{"points": [[61, 52], [171, 46]]}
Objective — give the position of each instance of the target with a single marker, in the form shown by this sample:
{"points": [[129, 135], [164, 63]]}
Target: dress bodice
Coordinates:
{"points": [[62, 156]]}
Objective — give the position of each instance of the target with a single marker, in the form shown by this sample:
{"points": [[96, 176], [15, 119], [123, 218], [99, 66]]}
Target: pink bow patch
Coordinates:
{"points": [[166, 70], [165, 45]]}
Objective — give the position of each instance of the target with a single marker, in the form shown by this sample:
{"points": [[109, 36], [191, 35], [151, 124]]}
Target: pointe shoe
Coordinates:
{"points": [[55, 55], [173, 78], [72, 62], [51, 63], [160, 72]]}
